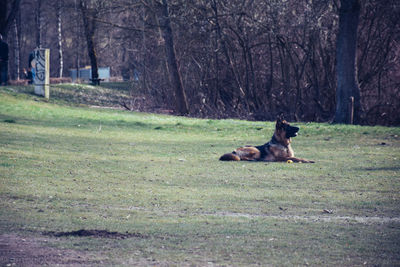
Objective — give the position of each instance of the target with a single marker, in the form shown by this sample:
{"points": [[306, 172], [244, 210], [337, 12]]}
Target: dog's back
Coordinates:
{"points": [[242, 153]]}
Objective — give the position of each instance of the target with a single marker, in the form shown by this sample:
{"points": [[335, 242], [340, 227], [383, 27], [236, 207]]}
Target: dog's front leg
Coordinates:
{"points": [[300, 160]]}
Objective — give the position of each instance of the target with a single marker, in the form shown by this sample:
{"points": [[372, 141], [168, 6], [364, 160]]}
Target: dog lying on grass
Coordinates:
{"points": [[277, 149]]}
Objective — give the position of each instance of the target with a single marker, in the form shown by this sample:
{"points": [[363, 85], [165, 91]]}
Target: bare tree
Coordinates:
{"points": [[8, 12], [89, 25], [17, 46], [59, 30], [181, 103], [347, 86], [39, 23]]}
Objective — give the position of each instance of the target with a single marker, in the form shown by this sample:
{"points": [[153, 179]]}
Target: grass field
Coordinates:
{"points": [[98, 187]]}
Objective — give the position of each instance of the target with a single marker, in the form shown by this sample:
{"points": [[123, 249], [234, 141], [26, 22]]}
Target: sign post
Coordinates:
{"points": [[42, 72]]}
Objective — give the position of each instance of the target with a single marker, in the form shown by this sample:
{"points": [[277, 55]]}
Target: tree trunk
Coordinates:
{"points": [[78, 43], [39, 24], [3, 17], [17, 48], [346, 68], [60, 49], [6, 20], [144, 53], [182, 106], [89, 27]]}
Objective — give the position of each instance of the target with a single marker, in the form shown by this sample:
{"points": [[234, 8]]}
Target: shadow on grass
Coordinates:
{"points": [[131, 124], [83, 123], [109, 94], [383, 168]]}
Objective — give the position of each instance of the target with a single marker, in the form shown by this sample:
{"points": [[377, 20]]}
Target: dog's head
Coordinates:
{"points": [[284, 131]]}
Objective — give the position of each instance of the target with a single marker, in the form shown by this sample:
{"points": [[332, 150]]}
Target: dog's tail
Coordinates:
{"points": [[229, 157]]}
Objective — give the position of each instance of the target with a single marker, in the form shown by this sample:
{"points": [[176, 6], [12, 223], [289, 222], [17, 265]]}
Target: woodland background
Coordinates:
{"points": [[238, 58]]}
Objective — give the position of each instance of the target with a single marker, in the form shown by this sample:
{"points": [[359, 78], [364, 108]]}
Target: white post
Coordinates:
{"points": [[42, 72]]}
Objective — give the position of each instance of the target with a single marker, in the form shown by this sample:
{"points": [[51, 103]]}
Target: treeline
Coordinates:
{"points": [[234, 58]]}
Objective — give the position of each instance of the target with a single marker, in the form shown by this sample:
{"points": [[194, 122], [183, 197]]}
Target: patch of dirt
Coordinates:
{"points": [[37, 251], [96, 233]]}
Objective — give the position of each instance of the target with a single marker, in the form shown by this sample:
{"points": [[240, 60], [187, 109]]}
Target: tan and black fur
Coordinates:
{"points": [[277, 149]]}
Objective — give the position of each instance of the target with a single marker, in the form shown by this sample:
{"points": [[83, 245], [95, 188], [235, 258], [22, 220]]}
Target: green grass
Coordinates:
{"points": [[67, 167]]}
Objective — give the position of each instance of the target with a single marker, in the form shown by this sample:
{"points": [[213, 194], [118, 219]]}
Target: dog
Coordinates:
{"points": [[277, 149]]}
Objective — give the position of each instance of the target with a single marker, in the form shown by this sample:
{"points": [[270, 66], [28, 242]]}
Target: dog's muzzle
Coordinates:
{"points": [[291, 131]]}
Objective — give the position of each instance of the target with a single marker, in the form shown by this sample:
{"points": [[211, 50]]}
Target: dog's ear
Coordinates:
{"points": [[279, 120], [278, 123]]}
